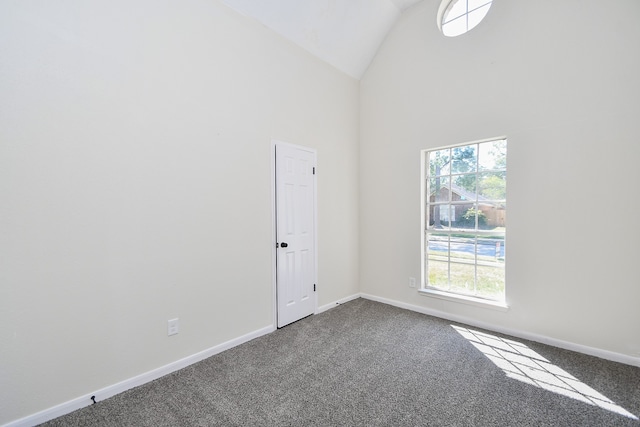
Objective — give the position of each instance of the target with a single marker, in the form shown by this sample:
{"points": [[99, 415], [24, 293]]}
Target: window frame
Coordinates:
{"points": [[447, 5], [425, 288]]}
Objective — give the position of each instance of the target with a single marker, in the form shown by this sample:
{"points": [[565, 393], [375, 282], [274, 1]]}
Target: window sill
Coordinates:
{"points": [[464, 299]]}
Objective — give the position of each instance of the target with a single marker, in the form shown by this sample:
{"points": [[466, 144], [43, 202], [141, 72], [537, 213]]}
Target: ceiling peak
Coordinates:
{"points": [[344, 33]]}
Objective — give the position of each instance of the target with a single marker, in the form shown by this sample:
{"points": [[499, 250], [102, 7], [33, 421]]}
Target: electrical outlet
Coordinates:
{"points": [[412, 282], [173, 326]]}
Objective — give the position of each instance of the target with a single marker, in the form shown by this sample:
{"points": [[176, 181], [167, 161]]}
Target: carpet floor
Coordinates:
{"points": [[365, 363]]}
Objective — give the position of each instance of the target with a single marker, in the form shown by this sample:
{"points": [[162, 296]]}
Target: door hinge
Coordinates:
{"points": [[314, 170], [314, 287]]}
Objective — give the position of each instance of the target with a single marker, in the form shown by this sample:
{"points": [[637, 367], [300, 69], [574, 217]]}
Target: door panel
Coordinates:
{"points": [[295, 228]]}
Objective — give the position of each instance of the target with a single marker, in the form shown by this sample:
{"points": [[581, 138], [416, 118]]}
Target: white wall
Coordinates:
{"points": [[135, 186], [560, 80]]}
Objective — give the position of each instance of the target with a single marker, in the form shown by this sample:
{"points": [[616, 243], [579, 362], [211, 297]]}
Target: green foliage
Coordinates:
{"points": [[468, 219], [463, 159], [494, 187], [437, 160], [499, 152], [467, 181]]}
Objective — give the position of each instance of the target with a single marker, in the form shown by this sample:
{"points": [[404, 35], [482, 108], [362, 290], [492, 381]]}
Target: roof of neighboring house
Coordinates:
{"points": [[469, 195]]}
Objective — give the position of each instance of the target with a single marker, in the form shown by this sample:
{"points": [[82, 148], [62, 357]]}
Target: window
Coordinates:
{"points": [[465, 219], [456, 17]]}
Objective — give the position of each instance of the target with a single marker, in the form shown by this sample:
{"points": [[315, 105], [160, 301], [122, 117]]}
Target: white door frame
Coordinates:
{"points": [[274, 236]]}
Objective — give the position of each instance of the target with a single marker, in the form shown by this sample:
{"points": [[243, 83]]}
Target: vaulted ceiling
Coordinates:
{"points": [[344, 33]]}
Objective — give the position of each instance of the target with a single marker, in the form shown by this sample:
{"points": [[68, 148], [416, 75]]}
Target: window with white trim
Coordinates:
{"points": [[456, 17], [465, 219]]}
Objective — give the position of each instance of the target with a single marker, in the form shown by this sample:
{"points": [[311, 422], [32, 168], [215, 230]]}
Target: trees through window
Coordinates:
{"points": [[465, 219]]}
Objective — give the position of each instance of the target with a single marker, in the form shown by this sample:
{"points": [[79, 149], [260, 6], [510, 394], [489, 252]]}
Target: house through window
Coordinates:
{"points": [[465, 219]]}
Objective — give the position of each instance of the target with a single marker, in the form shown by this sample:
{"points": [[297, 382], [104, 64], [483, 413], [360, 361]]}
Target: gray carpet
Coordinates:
{"points": [[369, 364]]}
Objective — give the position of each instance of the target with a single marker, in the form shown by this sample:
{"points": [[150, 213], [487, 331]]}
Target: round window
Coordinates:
{"points": [[456, 17]]}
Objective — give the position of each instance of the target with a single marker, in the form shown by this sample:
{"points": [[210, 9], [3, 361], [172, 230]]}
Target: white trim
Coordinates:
{"points": [[274, 236], [423, 216], [462, 144], [334, 304], [424, 230], [464, 299], [112, 390], [591, 351], [444, 5], [274, 228], [104, 393]]}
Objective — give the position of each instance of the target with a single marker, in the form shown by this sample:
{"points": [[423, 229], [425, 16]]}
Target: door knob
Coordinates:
{"points": [[284, 245]]}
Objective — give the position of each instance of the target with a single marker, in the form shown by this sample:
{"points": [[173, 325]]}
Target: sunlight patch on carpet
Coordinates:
{"points": [[523, 364]]}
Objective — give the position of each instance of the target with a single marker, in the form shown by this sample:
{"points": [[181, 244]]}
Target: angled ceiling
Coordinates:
{"points": [[344, 33]]}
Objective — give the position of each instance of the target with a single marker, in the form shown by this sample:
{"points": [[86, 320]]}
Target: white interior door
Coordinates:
{"points": [[295, 232]]}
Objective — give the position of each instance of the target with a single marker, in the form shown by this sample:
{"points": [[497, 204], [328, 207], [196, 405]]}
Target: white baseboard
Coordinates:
{"points": [[591, 351], [336, 303], [82, 401], [112, 390]]}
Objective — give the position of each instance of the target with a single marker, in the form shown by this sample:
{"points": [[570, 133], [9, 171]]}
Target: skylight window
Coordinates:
{"points": [[456, 17]]}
